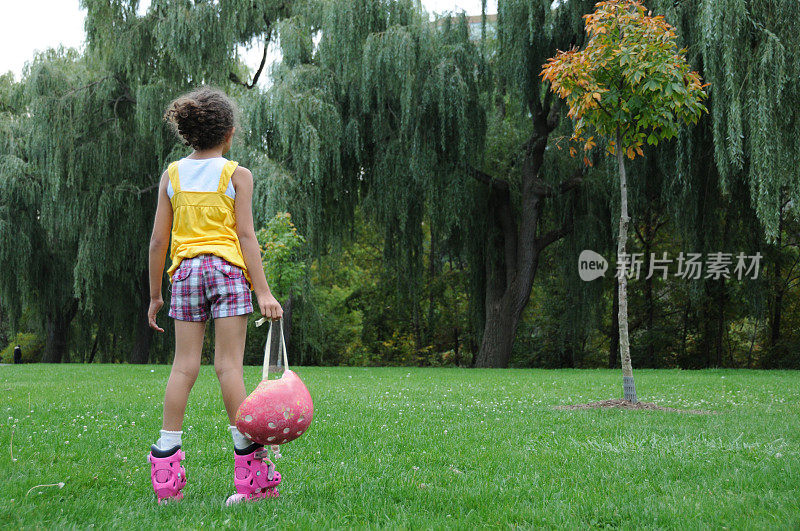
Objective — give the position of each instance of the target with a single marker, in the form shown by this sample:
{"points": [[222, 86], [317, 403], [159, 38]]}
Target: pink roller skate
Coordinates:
{"points": [[167, 473], [254, 475]]}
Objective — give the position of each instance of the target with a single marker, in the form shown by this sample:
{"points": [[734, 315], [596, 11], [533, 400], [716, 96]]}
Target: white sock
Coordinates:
{"points": [[240, 442], [169, 439]]}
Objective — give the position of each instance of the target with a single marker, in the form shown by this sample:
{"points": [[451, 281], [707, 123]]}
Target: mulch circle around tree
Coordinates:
{"points": [[618, 403]]}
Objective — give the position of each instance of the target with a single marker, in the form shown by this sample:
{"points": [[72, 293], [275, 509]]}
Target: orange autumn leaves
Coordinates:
{"points": [[630, 81]]}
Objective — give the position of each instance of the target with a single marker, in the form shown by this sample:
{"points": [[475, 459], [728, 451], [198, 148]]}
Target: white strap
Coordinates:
{"points": [[265, 372]]}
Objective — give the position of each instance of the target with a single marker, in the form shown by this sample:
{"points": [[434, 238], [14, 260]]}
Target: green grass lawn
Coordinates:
{"points": [[413, 448]]}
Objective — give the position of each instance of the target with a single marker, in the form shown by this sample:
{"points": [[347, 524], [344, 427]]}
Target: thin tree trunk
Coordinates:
{"points": [[568, 353], [624, 346], [752, 344], [777, 302], [3, 335], [707, 320], [140, 353], [94, 347], [685, 331], [718, 342], [433, 272], [613, 351], [287, 324], [648, 293], [416, 320], [113, 352], [775, 324], [456, 348]]}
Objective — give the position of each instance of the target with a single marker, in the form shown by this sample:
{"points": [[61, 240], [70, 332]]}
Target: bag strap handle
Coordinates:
{"points": [[265, 371]]}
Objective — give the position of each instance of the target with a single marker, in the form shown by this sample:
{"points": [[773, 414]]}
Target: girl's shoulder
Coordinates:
{"points": [[241, 177], [242, 172]]}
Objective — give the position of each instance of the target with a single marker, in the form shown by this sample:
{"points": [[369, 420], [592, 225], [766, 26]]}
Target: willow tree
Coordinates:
{"points": [[380, 113], [751, 54], [630, 85], [24, 254], [736, 180], [37, 251], [390, 111], [98, 145]]}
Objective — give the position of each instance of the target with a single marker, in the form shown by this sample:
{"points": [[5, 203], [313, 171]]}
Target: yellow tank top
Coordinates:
{"points": [[204, 222]]}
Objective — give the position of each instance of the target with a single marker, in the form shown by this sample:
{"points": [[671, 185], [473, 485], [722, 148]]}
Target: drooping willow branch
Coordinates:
{"points": [[233, 77]]}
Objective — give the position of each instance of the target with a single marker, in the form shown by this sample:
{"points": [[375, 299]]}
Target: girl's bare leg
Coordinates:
{"points": [[230, 334], [185, 367]]}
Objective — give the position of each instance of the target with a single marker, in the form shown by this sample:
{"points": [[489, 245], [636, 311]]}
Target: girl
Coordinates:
{"points": [[205, 200]]}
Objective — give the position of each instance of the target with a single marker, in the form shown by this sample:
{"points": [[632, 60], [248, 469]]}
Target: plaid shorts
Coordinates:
{"points": [[208, 284]]}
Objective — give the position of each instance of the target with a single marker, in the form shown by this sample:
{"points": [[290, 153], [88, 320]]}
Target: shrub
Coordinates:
{"points": [[32, 347]]}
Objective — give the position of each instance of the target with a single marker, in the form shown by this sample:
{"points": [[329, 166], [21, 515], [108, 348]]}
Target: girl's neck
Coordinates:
{"points": [[206, 153]]}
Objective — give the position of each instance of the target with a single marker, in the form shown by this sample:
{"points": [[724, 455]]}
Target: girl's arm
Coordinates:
{"points": [[251, 251], [159, 244]]}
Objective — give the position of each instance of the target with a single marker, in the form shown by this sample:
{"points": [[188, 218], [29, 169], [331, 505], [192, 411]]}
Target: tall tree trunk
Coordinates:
{"points": [[628, 384], [57, 330], [140, 353], [509, 278], [498, 337], [512, 254], [499, 326], [55, 339]]}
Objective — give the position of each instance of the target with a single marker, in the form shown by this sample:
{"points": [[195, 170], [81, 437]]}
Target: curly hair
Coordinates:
{"points": [[202, 118]]}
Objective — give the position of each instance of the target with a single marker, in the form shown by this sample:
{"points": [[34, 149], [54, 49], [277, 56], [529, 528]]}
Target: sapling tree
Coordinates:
{"points": [[280, 242], [629, 85]]}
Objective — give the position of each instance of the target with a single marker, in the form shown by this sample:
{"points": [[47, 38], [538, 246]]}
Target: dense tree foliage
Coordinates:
{"points": [[95, 147], [427, 167]]}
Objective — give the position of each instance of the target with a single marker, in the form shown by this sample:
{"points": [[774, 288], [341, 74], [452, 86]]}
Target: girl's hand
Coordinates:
{"points": [[269, 306], [155, 306]]}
